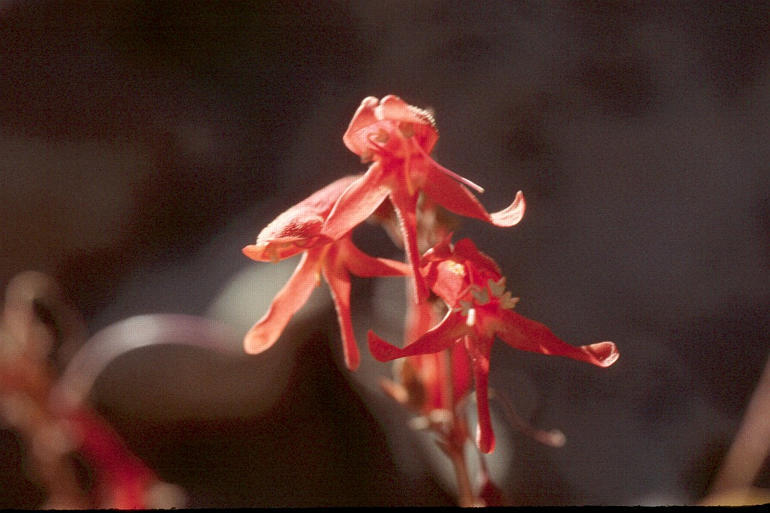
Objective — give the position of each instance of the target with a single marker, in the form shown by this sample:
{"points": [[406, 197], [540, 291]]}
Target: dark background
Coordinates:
{"points": [[143, 143]]}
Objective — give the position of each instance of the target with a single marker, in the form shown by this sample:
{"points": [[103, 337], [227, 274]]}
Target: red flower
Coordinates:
{"points": [[124, 482], [398, 139], [298, 230], [480, 309], [432, 381]]}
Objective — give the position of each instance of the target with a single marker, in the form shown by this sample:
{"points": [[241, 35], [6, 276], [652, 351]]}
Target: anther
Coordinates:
{"points": [[471, 320]]}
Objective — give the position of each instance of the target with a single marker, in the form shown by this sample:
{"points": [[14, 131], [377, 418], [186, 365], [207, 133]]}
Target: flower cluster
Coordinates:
{"points": [[62, 440], [459, 302], [480, 309]]}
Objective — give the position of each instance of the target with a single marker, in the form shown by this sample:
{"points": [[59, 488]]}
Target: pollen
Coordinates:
{"points": [[456, 267]]}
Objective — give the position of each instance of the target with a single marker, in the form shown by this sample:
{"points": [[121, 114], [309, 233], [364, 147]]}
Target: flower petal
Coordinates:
{"points": [[366, 266], [442, 336], [512, 214], [304, 220], [479, 349], [339, 283], [286, 303], [394, 108], [528, 335], [272, 252], [358, 202], [355, 136], [456, 198], [299, 227], [419, 121]]}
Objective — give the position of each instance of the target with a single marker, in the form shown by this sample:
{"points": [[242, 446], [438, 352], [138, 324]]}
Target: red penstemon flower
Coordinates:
{"points": [[298, 230], [398, 138], [431, 382], [480, 308]]}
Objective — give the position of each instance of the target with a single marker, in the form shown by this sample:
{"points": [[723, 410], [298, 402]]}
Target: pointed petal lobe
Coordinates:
{"points": [[339, 284], [456, 198], [528, 335], [512, 214], [355, 136], [366, 266], [357, 203], [286, 303], [442, 336], [479, 351]]}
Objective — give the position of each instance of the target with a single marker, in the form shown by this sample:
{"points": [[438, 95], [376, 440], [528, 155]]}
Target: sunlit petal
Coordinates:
{"points": [[339, 284], [442, 336], [510, 215], [357, 203], [355, 136], [528, 335], [366, 266], [479, 349], [456, 198], [286, 303]]}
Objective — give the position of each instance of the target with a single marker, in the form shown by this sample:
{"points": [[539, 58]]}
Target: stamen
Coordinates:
{"points": [[456, 267], [471, 320]]}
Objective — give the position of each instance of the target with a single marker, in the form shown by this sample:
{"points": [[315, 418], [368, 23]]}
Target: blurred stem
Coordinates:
{"points": [[455, 442], [752, 442], [124, 336], [465, 497]]}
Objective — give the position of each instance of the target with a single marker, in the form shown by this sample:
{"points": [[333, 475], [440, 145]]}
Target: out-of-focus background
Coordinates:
{"points": [[143, 144]]}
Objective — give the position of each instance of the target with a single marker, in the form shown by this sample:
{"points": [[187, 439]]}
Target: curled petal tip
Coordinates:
{"points": [[512, 214], [604, 353]]}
